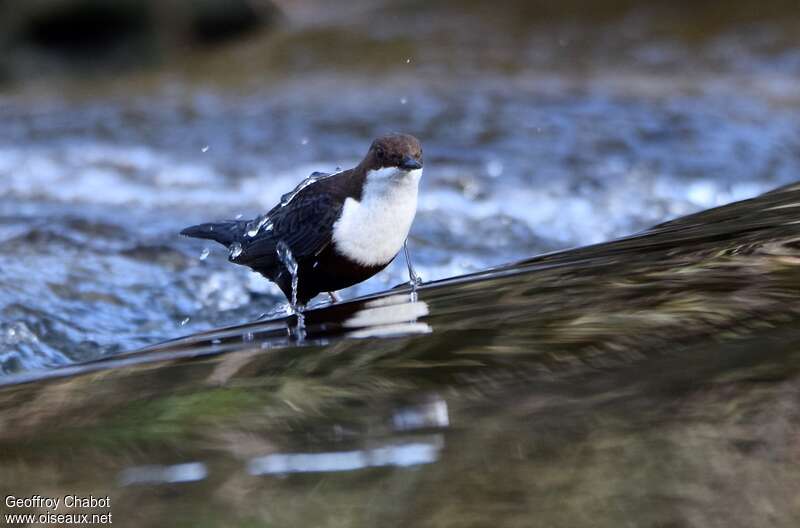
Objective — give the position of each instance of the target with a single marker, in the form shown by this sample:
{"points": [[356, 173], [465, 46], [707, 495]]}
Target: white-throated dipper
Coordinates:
{"points": [[337, 229]]}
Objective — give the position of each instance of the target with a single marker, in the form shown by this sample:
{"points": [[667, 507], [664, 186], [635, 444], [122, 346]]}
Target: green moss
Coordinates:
{"points": [[177, 416]]}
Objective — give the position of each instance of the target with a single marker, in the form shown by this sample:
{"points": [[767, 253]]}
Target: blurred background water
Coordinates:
{"points": [[545, 125]]}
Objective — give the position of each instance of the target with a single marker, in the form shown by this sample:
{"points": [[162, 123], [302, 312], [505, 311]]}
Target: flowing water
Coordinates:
{"points": [[538, 135], [649, 381]]}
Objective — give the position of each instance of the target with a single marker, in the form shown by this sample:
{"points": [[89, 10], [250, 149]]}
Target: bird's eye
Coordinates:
{"points": [[379, 153]]}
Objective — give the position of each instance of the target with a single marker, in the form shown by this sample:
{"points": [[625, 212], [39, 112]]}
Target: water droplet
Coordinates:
{"points": [[255, 226], [304, 141], [494, 168], [204, 254], [234, 250], [184, 322], [205, 149], [288, 197], [408, 61], [403, 101]]}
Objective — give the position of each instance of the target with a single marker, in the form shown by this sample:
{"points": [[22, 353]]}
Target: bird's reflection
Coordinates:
{"points": [[393, 315], [427, 415]]}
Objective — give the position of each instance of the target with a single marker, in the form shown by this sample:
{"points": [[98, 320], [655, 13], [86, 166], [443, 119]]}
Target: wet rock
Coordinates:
{"points": [[212, 21], [55, 36], [85, 26]]}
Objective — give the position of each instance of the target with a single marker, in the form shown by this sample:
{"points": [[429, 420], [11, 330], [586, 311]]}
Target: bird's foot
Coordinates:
{"points": [[334, 297]]}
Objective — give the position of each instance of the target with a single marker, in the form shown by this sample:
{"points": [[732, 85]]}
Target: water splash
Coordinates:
{"points": [[234, 251], [314, 178], [298, 331], [288, 260], [279, 311], [254, 227], [204, 254], [205, 149]]}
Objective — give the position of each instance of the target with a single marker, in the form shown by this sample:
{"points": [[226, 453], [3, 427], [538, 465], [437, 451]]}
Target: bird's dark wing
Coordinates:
{"points": [[304, 223]]}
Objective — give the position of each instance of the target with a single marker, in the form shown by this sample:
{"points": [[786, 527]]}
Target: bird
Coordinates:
{"points": [[334, 230]]}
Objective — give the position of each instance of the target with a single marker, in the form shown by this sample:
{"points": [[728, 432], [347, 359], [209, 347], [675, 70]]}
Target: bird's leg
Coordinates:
{"points": [[413, 279], [334, 298]]}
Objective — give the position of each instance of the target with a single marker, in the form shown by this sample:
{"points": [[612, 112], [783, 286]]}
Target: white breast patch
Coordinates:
{"points": [[372, 231]]}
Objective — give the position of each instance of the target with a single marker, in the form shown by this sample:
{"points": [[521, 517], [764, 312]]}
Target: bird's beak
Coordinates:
{"points": [[410, 163]]}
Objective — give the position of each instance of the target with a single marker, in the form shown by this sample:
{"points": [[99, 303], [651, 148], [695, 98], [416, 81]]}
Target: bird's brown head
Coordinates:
{"points": [[400, 151]]}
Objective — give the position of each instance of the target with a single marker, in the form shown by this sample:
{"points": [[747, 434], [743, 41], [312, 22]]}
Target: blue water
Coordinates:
{"points": [[525, 152]]}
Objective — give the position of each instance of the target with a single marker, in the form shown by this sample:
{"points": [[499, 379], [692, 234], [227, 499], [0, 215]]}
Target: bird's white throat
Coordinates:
{"points": [[372, 231]]}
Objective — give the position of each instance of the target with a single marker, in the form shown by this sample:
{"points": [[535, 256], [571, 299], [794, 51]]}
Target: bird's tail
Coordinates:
{"points": [[226, 233]]}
